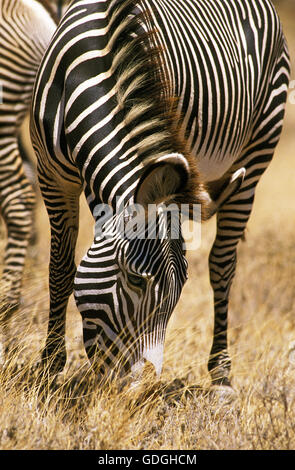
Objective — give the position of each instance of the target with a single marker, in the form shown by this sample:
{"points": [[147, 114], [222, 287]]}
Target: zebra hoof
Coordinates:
{"points": [[224, 394], [53, 361]]}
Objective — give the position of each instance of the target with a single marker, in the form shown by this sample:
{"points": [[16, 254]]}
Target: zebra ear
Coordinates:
{"points": [[161, 179], [231, 187]]}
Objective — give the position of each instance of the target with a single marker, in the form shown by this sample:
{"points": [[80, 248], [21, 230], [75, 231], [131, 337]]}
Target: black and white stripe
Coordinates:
{"points": [[152, 101]]}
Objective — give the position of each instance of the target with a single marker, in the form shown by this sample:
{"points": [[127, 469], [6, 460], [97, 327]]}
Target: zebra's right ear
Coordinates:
{"points": [[162, 179]]}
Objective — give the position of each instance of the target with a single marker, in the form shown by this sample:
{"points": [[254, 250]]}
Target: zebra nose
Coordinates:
{"points": [[149, 366], [148, 369], [154, 355], [143, 370]]}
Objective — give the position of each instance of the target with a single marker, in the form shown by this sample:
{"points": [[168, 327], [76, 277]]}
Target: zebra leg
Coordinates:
{"points": [[63, 211], [232, 218], [17, 201], [231, 222]]}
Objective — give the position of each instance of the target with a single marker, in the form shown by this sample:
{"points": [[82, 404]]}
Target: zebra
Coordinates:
{"points": [[26, 28], [151, 102]]}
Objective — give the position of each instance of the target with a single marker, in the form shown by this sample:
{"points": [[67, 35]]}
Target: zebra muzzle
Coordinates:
{"points": [[150, 363]]}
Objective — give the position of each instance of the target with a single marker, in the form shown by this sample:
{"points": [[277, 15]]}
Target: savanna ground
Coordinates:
{"points": [[178, 413]]}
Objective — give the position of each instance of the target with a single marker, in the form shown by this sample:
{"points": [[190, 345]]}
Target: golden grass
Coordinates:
{"points": [[179, 412]]}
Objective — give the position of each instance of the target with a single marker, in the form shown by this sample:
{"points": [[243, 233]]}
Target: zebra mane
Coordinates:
{"points": [[143, 93]]}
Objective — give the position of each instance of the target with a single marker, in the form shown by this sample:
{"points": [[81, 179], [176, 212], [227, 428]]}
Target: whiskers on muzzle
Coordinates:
{"points": [[131, 362]]}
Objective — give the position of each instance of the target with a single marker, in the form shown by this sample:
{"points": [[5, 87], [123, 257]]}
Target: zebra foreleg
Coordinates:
{"points": [[62, 268], [231, 222]]}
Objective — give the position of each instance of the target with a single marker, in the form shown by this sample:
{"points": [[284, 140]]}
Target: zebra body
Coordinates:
{"points": [[26, 27], [105, 121]]}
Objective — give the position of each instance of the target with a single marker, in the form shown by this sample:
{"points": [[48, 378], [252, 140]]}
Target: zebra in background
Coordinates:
{"points": [[150, 102], [26, 27]]}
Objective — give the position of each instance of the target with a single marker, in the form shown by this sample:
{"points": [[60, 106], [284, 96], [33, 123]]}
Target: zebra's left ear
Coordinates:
{"points": [[231, 187], [162, 179]]}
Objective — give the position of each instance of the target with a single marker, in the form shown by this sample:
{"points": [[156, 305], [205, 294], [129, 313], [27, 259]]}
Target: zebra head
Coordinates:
{"points": [[128, 283]]}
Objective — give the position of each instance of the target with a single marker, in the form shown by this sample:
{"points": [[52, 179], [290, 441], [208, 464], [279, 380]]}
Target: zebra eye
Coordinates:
{"points": [[136, 281]]}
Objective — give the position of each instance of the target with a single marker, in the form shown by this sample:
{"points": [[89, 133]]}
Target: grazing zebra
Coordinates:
{"points": [[151, 102], [26, 27]]}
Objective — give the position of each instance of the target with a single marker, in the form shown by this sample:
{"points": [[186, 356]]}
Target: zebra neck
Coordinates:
{"points": [[137, 115]]}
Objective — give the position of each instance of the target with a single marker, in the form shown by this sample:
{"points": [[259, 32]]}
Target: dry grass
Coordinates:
{"points": [[178, 413]]}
